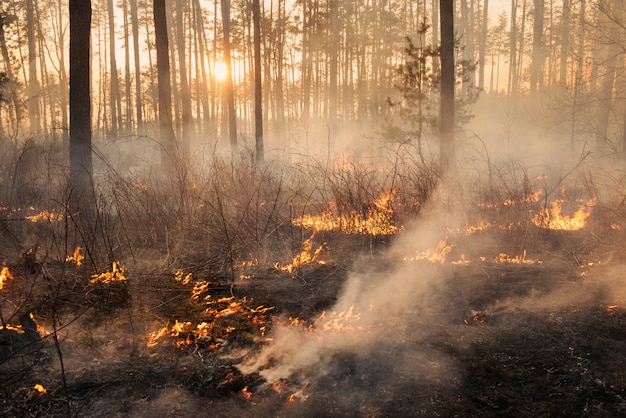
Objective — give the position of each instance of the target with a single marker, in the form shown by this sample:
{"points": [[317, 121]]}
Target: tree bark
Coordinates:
{"points": [[228, 80], [80, 180], [258, 88], [446, 110], [134, 22], [34, 115], [169, 154]]}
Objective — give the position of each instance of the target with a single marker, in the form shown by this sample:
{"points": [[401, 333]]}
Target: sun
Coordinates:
{"points": [[219, 71]]}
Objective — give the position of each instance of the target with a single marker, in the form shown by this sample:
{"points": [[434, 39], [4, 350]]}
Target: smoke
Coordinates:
{"points": [[379, 300]]}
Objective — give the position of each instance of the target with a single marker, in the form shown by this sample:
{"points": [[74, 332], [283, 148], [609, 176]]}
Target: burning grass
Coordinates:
{"points": [[181, 287]]}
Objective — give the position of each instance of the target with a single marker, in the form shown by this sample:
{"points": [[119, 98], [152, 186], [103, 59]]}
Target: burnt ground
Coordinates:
{"points": [[485, 339]]}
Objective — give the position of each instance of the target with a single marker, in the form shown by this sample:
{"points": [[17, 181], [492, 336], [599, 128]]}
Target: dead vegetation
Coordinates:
{"points": [[415, 300]]}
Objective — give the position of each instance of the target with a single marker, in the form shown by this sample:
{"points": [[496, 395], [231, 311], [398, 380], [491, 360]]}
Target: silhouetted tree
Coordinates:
{"points": [[258, 99], [81, 189], [446, 110], [169, 155]]}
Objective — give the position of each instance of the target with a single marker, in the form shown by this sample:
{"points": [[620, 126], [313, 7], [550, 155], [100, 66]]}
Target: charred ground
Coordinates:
{"points": [[492, 339]]}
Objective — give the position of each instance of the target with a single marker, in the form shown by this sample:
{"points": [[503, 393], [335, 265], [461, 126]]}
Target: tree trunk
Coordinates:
{"points": [[134, 22], [34, 115], [169, 154], [446, 110], [565, 28], [483, 46], [115, 99], [228, 80], [513, 81], [258, 99], [82, 198], [187, 127], [536, 66]]}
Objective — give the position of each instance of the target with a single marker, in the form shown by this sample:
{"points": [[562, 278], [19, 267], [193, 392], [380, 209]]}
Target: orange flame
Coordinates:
{"points": [[375, 220], [45, 215], [5, 275], [504, 258], [435, 255], [116, 275], [39, 388], [76, 258], [305, 257], [553, 219]]}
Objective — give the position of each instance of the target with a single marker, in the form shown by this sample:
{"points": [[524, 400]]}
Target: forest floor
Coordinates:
{"points": [[486, 338]]}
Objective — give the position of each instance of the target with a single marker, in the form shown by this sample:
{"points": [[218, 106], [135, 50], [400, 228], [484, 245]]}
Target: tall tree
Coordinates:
{"points": [[228, 80], [134, 22], [483, 45], [82, 197], [258, 88], [536, 66], [34, 115], [186, 116], [446, 110], [169, 154], [115, 99]]}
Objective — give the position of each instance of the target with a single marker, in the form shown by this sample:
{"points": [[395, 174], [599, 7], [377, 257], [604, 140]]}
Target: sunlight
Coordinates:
{"points": [[219, 71]]}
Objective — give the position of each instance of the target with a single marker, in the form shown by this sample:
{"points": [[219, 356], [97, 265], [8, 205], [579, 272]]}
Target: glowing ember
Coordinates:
{"points": [[375, 220], [553, 219], [116, 275], [610, 308], [504, 258], [306, 256], [246, 393], [39, 388], [435, 255], [76, 258]]}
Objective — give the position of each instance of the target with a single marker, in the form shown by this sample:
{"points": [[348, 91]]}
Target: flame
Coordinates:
{"points": [[5, 275], [435, 255], [504, 258], [553, 219], [305, 257], [246, 393], [45, 215], [186, 334], [76, 258], [610, 308], [375, 220], [116, 275], [39, 388], [461, 261], [338, 322]]}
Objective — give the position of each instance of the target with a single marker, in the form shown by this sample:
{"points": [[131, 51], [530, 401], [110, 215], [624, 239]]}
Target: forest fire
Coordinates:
{"points": [[504, 258], [435, 255], [305, 257], [76, 258], [375, 219], [116, 275], [554, 219]]}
